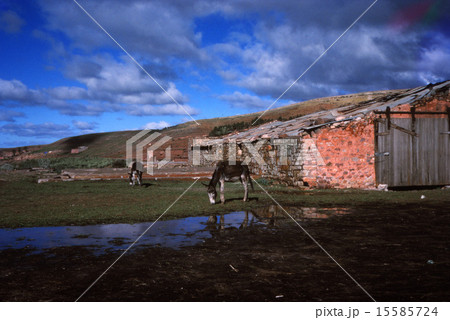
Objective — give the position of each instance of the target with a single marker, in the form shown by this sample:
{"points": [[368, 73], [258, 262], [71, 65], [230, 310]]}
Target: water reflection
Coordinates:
{"points": [[239, 220], [274, 215], [171, 233], [101, 238]]}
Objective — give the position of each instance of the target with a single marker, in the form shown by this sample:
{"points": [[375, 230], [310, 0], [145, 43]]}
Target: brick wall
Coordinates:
{"points": [[433, 105], [346, 156]]}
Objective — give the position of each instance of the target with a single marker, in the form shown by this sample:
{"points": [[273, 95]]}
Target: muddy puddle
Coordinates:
{"points": [[174, 234], [397, 253]]}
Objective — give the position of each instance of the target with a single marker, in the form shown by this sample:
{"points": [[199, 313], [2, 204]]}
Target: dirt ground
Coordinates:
{"points": [[396, 253]]}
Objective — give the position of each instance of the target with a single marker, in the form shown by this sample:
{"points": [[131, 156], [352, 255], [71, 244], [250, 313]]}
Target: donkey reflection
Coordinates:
{"points": [[267, 215], [213, 225]]}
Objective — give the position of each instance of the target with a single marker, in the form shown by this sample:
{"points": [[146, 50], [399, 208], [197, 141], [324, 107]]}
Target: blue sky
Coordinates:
{"points": [[61, 75]]}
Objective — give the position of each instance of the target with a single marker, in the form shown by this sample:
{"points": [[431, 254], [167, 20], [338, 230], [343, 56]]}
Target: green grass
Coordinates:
{"points": [[59, 164], [26, 203]]}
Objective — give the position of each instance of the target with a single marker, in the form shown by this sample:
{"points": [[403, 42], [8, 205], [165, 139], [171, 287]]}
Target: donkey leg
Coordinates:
{"points": [[222, 222], [245, 183], [222, 191], [245, 222]]}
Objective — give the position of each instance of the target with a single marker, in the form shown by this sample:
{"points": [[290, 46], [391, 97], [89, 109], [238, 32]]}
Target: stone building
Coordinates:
{"points": [[398, 140]]}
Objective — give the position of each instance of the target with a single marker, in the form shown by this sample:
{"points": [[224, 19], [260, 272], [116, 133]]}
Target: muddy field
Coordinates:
{"points": [[396, 253]]}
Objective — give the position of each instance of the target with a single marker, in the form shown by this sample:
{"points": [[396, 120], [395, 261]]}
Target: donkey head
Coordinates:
{"points": [[130, 178], [212, 193], [134, 178]]}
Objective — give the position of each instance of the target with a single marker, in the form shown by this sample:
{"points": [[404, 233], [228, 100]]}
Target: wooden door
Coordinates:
{"points": [[412, 154]]}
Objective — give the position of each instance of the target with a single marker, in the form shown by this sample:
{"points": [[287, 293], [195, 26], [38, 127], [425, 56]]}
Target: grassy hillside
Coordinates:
{"points": [[105, 145]]}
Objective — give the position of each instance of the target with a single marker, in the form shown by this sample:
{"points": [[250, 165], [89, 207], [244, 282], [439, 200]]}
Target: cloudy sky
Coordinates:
{"points": [[61, 75]]}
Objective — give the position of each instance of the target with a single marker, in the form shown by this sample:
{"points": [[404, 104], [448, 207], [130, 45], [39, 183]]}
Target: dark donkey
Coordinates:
{"points": [[135, 175], [228, 172]]}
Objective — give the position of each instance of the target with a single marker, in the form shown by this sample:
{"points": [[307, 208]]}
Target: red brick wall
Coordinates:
{"points": [[348, 156], [433, 105]]}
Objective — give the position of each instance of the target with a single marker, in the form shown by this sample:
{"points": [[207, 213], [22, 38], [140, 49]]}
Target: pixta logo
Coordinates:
{"points": [[213, 150], [151, 143]]}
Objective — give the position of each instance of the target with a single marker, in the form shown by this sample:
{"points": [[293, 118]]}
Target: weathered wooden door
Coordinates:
{"points": [[412, 151]]}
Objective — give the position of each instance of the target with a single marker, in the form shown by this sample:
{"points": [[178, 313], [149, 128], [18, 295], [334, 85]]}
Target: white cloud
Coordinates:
{"points": [[156, 125], [434, 58], [83, 125], [68, 93], [47, 129], [169, 109], [10, 22], [247, 101], [10, 115], [16, 91], [16, 94], [109, 85], [120, 81], [369, 57], [158, 28]]}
